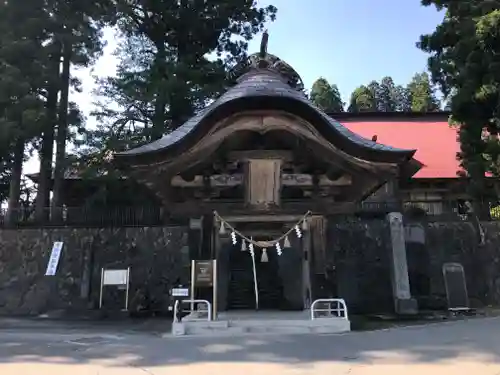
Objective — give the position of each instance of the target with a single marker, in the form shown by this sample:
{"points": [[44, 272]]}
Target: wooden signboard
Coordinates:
{"points": [[204, 273], [456, 288]]}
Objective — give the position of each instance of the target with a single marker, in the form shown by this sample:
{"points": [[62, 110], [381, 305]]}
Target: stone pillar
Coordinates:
{"points": [[403, 302]]}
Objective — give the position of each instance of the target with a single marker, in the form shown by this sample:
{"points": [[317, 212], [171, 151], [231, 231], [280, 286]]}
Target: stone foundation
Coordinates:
{"points": [[359, 257], [157, 257], [459, 242], [357, 265]]}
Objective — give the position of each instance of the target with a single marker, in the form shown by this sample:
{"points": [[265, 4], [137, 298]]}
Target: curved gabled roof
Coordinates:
{"points": [[263, 89]]}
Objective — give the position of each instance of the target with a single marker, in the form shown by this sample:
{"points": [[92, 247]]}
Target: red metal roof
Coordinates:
{"points": [[436, 143]]}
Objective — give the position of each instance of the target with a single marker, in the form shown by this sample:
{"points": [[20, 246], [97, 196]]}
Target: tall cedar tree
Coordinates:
{"points": [[21, 106], [81, 43], [422, 97], [73, 37], [386, 96], [173, 61], [326, 96], [362, 100], [465, 61]]}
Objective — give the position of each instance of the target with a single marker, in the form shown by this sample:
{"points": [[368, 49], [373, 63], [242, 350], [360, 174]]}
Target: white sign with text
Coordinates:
{"points": [[55, 255], [115, 277], [180, 292]]}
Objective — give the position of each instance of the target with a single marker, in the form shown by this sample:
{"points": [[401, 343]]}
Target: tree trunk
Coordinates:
{"points": [[475, 166], [180, 107], [47, 150], [15, 183], [62, 133], [158, 127]]}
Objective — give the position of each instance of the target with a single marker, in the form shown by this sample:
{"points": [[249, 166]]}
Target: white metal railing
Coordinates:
{"points": [[192, 302], [339, 310]]}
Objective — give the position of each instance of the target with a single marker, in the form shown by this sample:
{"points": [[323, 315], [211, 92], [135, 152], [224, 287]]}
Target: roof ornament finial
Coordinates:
{"points": [[263, 44], [263, 60]]}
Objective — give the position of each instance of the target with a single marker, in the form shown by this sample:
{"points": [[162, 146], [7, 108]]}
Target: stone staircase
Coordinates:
{"points": [[241, 290], [269, 285]]}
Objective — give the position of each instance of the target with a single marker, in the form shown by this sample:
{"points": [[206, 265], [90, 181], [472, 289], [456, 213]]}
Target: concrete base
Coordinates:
{"points": [[406, 306], [250, 323]]}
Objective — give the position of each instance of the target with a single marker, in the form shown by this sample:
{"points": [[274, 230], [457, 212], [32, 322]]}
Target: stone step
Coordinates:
{"points": [[237, 327]]}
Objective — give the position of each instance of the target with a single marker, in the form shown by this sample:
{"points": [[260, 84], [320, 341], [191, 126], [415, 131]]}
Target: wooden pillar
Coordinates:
{"points": [[195, 238], [318, 258], [306, 268], [207, 240]]}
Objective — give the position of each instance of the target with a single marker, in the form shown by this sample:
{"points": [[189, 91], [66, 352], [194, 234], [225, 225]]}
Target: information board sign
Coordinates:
{"points": [[120, 278], [456, 287], [115, 277], [203, 276]]}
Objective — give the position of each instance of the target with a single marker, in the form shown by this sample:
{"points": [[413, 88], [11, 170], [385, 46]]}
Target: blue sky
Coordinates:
{"points": [[349, 42]]}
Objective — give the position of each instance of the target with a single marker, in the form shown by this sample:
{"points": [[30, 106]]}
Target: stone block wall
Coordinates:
{"points": [[358, 263], [460, 242], [157, 256], [358, 260]]}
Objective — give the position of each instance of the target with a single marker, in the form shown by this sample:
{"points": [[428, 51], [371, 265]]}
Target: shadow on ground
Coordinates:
{"points": [[121, 346]]}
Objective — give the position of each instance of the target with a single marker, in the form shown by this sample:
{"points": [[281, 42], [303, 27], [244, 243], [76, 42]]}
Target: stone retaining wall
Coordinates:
{"points": [[157, 256], [460, 242], [357, 265]]}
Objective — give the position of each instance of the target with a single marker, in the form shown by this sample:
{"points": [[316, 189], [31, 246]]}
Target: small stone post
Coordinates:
{"points": [[403, 302]]}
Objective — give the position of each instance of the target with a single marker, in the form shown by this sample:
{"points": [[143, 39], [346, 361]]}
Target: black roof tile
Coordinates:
{"points": [[268, 87]]}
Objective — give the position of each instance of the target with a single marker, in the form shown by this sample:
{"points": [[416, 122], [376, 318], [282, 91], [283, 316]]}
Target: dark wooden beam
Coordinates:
{"points": [[319, 206], [284, 155], [287, 179]]}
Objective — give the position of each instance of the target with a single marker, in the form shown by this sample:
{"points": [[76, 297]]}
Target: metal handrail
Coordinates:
{"points": [[340, 310], [193, 301]]}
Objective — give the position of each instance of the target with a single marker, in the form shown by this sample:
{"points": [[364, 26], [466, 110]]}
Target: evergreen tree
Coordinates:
{"points": [[78, 33], [31, 53], [422, 96], [21, 105], [326, 96], [464, 60], [402, 98], [386, 95], [174, 59], [374, 88], [362, 100]]}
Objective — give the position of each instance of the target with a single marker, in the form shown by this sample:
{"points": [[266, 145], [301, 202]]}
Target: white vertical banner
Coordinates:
{"points": [[55, 255]]}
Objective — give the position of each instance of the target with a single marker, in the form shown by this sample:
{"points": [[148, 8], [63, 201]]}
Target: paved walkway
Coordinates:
{"points": [[466, 347]]}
